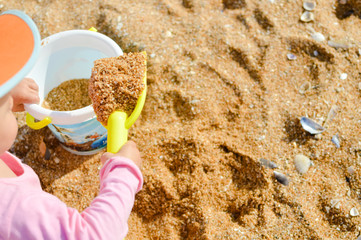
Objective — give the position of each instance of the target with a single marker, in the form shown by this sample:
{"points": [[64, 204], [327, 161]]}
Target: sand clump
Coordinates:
{"points": [[116, 84]]}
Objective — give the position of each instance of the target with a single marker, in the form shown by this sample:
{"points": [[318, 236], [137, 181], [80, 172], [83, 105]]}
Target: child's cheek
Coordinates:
{"points": [[8, 131]]}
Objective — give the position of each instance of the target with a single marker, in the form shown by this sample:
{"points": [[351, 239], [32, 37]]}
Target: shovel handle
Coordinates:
{"points": [[117, 133]]}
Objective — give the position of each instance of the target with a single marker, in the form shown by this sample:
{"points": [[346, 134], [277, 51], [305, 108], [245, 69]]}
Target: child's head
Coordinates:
{"points": [[19, 47]]}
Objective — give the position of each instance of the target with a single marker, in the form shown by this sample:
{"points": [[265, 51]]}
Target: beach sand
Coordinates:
{"points": [[222, 94]]}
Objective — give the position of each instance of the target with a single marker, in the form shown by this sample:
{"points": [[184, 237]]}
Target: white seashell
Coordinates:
{"points": [[318, 37], [309, 5], [302, 163], [307, 16], [343, 76], [311, 126], [335, 203], [267, 163], [354, 212], [337, 44], [336, 140], [304, 87], [291, 56], [281, 178]]}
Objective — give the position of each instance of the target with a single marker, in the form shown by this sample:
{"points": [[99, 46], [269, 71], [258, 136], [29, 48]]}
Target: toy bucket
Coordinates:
{"points": [[65, 56]]}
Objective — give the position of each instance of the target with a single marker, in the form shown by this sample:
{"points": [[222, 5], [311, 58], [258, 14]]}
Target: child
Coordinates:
{"points": [[26, 211]]}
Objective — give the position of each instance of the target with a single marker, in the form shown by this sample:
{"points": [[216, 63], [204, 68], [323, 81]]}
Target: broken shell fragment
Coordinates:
{"points": [[302, 163], [47, 154], [331, 114], [281, 178], [307, 16], [354, 212], [318, 37], [311, 126], [336, 140], [291, 56], [309, 5], [304, 88], [337, 44], [267, 163]]}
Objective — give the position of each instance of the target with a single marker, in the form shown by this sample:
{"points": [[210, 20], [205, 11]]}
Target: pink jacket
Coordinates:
{"points": [[27, 212]]}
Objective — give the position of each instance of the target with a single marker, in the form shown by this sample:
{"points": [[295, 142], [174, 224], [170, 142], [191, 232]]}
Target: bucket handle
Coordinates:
{"points": [[30, 121]]}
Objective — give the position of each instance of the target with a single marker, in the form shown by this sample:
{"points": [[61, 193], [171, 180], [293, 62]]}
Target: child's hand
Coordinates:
{"points": [[27, 91], [129, 150]]}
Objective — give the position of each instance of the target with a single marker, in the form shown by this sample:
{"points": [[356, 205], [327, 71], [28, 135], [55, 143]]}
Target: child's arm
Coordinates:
{"points": [[43, 216], [27, 91]]}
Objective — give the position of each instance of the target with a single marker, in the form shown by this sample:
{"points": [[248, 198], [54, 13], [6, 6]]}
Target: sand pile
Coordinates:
{"points": [[228, 82]]}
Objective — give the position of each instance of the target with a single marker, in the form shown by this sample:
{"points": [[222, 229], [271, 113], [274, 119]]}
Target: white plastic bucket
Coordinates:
{"points": [[65, 56]]}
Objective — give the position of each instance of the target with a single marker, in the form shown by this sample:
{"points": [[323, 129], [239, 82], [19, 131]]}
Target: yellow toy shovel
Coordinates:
{"points": [[119, 123]]}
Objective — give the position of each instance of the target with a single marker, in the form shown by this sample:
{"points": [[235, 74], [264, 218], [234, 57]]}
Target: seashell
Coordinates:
{"points": [[304, 87], [336, 140], [318, 37], [307, 16], [311, 126], [315, 53], [267, 163], [291, 56], [302, 163], [337, 44], [281, 178], [343, 76], [331, 114], [56, 160], [354, 212], [309, 5]]}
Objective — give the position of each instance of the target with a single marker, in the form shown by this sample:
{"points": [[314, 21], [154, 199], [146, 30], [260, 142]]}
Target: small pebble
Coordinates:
{"points": [[359, 86], [56, 160], [47, 154], [302, 163], [304, 87], [168, 34], [267, 163], [354, 212], [339, 89], [318, 136], [351, 170], [343, 76], [307, 16], [343, 2], [291, 56], [315, 53], [309, 5], [42, 148], [281, 178]]}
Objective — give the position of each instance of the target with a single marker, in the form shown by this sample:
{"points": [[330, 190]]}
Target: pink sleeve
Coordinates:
{"points": [[46, 217]]}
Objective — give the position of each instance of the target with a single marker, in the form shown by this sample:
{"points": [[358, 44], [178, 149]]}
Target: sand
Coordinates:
{"points": [[222, 94]]}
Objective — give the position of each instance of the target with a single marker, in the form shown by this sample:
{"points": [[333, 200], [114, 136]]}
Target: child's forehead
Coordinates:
{"points": [[19, 47]]}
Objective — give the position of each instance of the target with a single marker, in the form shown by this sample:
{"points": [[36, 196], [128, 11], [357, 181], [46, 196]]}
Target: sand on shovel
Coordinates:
{"points": [[116, 84]]}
